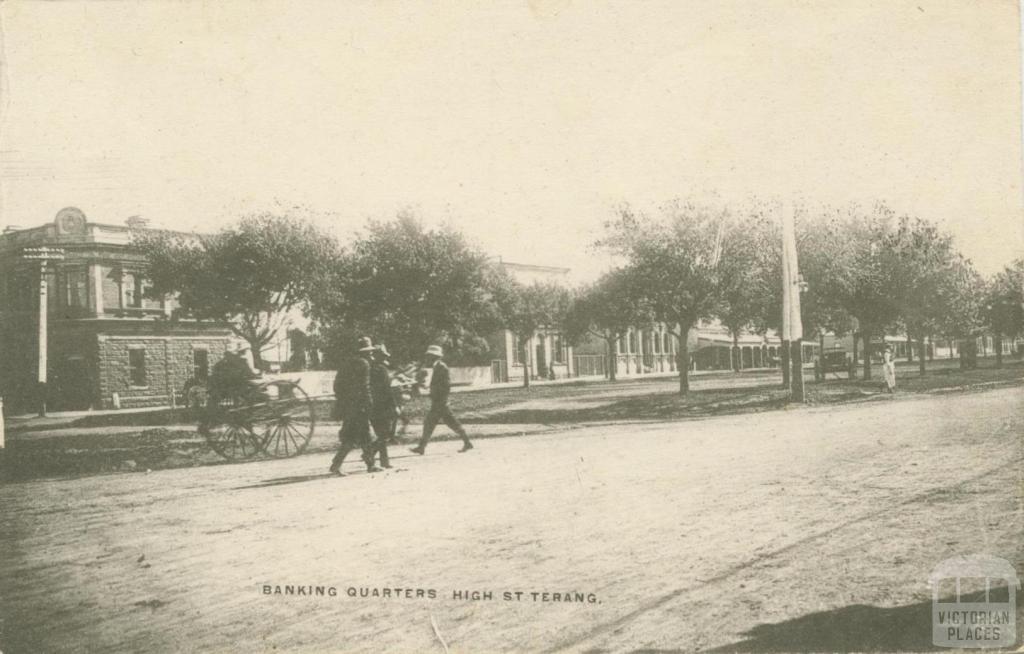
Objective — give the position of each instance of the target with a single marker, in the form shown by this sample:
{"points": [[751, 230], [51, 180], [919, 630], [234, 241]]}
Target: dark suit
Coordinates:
{"points": [[440, 388], [229, 378], [384, 410], [353, 404]]}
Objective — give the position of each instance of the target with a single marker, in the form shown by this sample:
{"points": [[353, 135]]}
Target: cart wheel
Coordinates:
{"points": [[284, 422], [228, 431]]}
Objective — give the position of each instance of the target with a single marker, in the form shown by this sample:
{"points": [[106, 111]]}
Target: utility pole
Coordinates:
{"points": [[792, 285], [42, 255]]}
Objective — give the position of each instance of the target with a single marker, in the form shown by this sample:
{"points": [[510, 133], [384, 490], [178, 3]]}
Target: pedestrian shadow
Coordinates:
{"points": [[283, 481], [854, 628], [300, 479]]}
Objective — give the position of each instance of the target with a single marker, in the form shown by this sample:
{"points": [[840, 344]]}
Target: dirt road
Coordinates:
{"points": [[797, 530]]}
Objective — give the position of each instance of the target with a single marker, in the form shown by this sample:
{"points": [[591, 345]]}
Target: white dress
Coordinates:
{"points": [[889, 370]]}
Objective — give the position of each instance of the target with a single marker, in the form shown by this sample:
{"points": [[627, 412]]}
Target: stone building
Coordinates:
{"points": [[109, 343]]}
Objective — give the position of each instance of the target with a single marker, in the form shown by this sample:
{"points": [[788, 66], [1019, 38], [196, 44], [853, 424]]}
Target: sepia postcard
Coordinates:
{"points": [[525, 326]]}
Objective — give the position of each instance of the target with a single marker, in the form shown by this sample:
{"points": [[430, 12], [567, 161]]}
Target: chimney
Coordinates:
{"points": [[137, 222]]}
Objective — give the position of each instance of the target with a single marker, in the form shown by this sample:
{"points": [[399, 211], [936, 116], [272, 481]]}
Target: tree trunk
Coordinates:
{"points": [[683, 361], [856, 335], [257, 360], [613, 360], [867, 354], [735, 352], [819, 365], [784, 361], [997, 343], [920, 354], [910, 348], [524, 353], [931, 348], [798, 371]]}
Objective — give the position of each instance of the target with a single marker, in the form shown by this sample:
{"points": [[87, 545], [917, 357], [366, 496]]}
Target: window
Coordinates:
{"points": [[130, 298], [134, 287], [632, 342], [517, 345], [145, 288], [557, 349], [53, 290], [200, 364], [665, 345], [137, 367], [73, 287]]}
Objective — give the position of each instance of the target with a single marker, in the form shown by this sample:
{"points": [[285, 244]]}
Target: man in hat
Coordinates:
{"points": [[382, 416], [440, 387], [231, 375], [354, 404]]}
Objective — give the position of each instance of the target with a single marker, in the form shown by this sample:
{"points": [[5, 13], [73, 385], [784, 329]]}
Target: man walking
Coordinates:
{"points": [[353, 404], [382, 416], [440, 387]]}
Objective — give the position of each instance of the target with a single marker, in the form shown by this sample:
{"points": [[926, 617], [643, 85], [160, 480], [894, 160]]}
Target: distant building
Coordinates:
{"points": [[109, 343], [642, 351], [545, 354], [904, 348], [710, 346]]}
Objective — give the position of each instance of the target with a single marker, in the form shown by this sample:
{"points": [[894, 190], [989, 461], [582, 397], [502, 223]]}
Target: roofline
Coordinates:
{"points": [[107, 226], [129, 228], [530, 266]]}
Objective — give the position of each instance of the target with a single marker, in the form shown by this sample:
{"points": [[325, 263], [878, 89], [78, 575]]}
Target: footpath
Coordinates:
{"points": [[74, 444]]}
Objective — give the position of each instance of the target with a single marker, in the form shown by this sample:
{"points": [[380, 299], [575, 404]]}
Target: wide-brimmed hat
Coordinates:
{"points": [[436, 351], [383, 351], [365, 344]]}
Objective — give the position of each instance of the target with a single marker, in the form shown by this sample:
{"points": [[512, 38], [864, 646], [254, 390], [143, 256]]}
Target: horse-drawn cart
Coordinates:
{"points": [[274, 418]]}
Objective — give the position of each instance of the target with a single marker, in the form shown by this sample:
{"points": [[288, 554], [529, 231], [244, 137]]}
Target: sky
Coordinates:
{"points": [[523, 124]]}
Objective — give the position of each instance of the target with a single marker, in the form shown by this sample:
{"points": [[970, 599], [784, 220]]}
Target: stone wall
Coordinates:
{"points": [[169, 364]]}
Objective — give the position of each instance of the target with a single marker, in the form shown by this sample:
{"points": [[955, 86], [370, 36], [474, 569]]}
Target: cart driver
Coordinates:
{"points": [[232, 375]]}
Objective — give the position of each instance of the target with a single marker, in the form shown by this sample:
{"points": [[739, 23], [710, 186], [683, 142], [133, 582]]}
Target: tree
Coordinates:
{"points": [[607, 309], [748, 282], [961, 294], [409, 287], [861, 273], [526, 309], [1003, 308], [922, 258], [675, 258], [820, 310], [253, 276]]}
